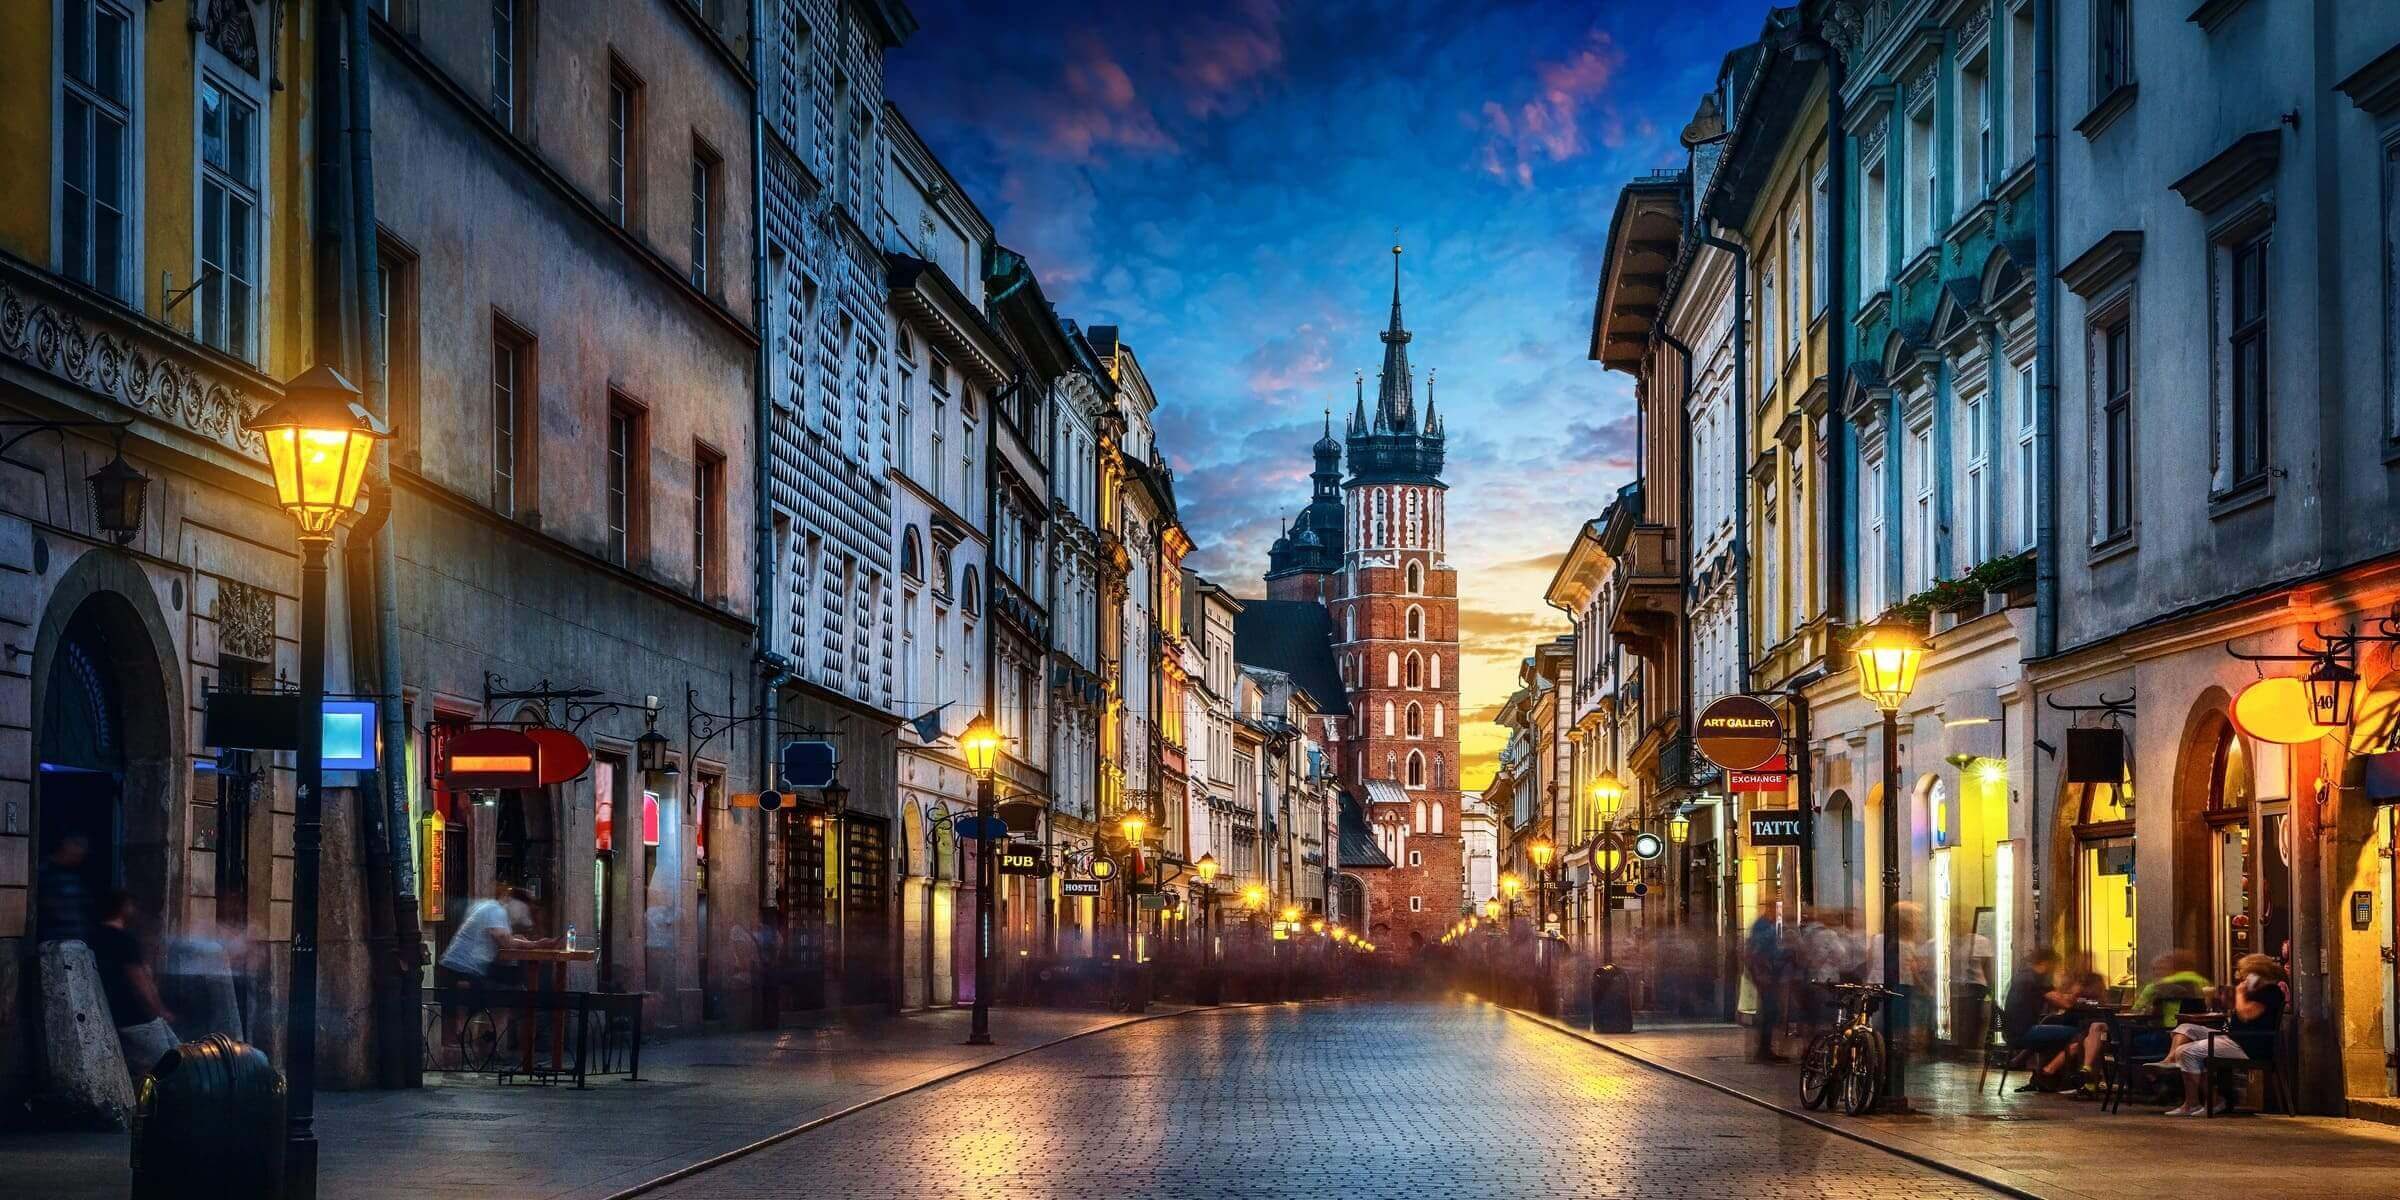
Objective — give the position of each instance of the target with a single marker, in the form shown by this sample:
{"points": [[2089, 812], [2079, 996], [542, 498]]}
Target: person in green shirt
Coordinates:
{"points": [[2175, 982]]}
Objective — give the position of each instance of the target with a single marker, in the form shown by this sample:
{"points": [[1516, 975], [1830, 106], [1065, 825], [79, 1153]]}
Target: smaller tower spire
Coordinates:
{"points": [[1358, 419]]}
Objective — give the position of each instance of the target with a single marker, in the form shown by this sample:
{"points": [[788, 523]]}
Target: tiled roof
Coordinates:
{"points": [[1356, 844], [1296, 638]]}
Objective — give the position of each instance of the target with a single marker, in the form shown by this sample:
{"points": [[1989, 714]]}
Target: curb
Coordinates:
{"points": [[682, 1173], [1918, 1157]]}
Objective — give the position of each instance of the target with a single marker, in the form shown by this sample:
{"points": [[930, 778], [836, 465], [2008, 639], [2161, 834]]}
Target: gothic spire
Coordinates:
{"points": [[1358, 419], [1395, 403]]}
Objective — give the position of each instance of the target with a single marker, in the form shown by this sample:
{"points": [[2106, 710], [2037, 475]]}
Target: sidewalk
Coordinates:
{"points": [[465, 1137], [2048, 1145]]}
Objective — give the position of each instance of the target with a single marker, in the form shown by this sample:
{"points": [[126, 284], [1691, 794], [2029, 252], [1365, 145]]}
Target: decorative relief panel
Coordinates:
{"points": [[233, 32], [245, 618], [147, 379]]}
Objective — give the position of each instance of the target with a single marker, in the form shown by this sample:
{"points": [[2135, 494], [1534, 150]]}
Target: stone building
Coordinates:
{"points": [[947, 362], [826, 441]]}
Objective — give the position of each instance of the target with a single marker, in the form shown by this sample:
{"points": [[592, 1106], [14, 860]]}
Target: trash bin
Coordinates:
{"points": [[209, 1124], [1612, 1005]]}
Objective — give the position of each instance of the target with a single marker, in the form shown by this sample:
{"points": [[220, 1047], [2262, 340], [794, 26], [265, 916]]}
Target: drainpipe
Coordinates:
{"points": [[2045, 300], [1833, 492], [762, 522], [393, 935], [1741, 455]]}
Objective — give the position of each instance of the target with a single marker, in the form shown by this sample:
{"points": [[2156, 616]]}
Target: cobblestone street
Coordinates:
{"points": [[1361, 1101]]}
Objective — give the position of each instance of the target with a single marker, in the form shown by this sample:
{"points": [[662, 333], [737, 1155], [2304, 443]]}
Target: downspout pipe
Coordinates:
{"points": [[393, 935], [1741, 454], [2045, 322], [762, 508]]}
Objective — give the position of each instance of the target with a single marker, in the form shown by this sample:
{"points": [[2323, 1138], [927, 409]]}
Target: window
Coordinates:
{"points": [[1873, 556], [396, 317], [704, 175], [708, 522], [1923, 162], [1415, 577], [1416, 903], [1391, 668], [1416, 720], [912, 557], [1918, 542], [2024, 480], [627, 482], [1416, 622], [1974, 127], [507, 61], [1416, 769], [624, 145], [1435, 671], [1796, 309], [1874, 244], [229, 158], [2020, 83], [1821, 237], [2115, 47], [512, 410], [1414, 675], [94, 144], [2244, 436], [1769, 334], [2116, 429], [1979, 455]]}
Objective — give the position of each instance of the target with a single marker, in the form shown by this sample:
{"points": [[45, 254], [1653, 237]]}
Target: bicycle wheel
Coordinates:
{"points": [[479, 1041], [1817, 1070], [1861, 1071]]}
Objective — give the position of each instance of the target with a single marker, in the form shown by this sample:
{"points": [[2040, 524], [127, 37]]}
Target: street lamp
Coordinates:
{"points": [[979, 744], [1541, 851], [1207, 866], [1888, 655], [2332, 690], [1679, 827], [1132, 825], [318, 443], [1608, 795]]}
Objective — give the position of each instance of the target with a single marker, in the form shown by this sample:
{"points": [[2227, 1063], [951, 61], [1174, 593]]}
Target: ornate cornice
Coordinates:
{"points": [[47, 327]]}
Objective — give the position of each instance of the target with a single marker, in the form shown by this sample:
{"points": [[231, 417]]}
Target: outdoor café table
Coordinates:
{"points": [[548, 969]]}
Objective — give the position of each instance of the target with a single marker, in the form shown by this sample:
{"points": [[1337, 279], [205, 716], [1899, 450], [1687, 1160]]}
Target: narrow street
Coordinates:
{"points": [[1365, 1101]]}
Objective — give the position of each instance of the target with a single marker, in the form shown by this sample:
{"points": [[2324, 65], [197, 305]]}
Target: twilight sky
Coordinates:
{"points": [[1223, 179]]}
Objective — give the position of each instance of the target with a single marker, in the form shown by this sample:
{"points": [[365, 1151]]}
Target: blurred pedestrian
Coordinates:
{"points": [[1768, 960], [62, 908], [145, 1031]]}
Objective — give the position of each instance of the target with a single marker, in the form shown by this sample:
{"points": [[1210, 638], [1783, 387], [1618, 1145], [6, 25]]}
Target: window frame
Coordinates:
{"points": [[2116, 384], [624, 100], [706, 198], [212, 297], [400, 312], [522, 451], [2242, 445], [504, 64], [125, 285], [625, 450], [709, 498]]}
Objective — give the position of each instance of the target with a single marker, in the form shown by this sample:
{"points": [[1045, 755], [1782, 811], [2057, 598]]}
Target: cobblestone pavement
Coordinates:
{"points": [[1358, 1101]]}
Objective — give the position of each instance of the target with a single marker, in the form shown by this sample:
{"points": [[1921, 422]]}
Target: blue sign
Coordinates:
{"points": [[808, 764], [979, 827], [349, 735]]}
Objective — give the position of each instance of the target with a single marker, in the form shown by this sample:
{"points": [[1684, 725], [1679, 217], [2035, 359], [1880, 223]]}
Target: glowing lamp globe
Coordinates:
{"points": [[1132, 826], [2332, 692], [1254, 897], [318, 443], [1509, 883], [979, 744], [1679, 828], [1541, 852], [1207, 867], [1888, 654], [1608, 795]]}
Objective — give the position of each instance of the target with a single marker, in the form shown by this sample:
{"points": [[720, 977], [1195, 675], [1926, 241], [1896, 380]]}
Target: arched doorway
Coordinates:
{"points": [[1837, 855], [2105, 913], [106, 744], [2232, 843]]}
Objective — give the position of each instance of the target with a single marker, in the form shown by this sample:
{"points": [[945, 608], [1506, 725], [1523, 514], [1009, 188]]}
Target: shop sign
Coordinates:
{"points": [[489, 758], [564, 757], [1771, 776], [271, 721], [1018, 858], [2096, 755], [1739, 733], [2278, 710], [430, 881], [807, 764], [1774, 827], [1154, 901], [649, 818], [1103, 869], [1078, 887], [2381, 781]]}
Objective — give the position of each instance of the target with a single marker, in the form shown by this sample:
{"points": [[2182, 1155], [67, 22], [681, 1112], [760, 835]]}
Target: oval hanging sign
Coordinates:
{"points": [[1739, 733], [563, 755], [2277, 710], [488, 758]]}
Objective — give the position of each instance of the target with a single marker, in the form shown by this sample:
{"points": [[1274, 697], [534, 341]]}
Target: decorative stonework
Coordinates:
{"points": [[1870, 140], [109, 362], [233, 32], [1920, 88], [245, 619], [1977, 27]]}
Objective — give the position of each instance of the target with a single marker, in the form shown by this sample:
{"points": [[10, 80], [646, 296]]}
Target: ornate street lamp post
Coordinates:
{"points": [[979, 743], [318, 442], [1888, 655], [1207, 866]]}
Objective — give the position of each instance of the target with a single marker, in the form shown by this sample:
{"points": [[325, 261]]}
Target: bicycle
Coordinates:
{"points": [[1848, 1058]]}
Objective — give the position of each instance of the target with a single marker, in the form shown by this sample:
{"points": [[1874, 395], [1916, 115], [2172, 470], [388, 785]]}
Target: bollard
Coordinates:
{"points": [[209, 1124]]}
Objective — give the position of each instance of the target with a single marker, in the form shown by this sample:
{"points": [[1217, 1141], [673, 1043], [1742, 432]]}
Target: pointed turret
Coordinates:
{"points": [[1358, 419], [1395, 406]]}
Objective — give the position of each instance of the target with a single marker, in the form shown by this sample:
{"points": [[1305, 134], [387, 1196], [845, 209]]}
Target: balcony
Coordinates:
{"points": [[1645, 591]]}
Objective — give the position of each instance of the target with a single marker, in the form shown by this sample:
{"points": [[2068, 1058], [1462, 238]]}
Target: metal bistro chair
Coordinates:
{"points": [[1996, 1052]]}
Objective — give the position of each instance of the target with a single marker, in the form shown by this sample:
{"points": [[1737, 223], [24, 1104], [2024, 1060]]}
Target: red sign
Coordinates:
{"points": [[1771, 776], [489, 758], [563, 755], [649, 818]]}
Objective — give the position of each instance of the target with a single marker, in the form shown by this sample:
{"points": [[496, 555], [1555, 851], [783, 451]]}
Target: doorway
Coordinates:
{"points": [[106, 755]]}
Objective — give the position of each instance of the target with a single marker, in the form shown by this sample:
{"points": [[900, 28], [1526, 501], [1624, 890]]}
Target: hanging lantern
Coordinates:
{"points": [[650, 752], [1679, 827], [2332, 690], [118, 493]]}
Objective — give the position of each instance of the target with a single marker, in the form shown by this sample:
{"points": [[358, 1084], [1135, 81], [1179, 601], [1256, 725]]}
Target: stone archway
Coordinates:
{"points": [[109, 710], [2189, 837], [1838, 854]]}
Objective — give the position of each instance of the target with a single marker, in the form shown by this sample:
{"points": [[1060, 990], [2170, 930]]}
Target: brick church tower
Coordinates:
{"points": [[1370, 547]]}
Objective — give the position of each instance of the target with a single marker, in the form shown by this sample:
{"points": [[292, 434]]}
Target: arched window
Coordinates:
{"points": [[1391, 668], [1416, 518], [1437, 718], [1416, 720], [1437, 670], [1420, 816], [967, 594], [1437, 816], [1387, 718], [1416, 577], [912, 556], [1415, 675], [1349, 623], [1416, 769], [1388, 761], [1441, 777], [1416, 623]]}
